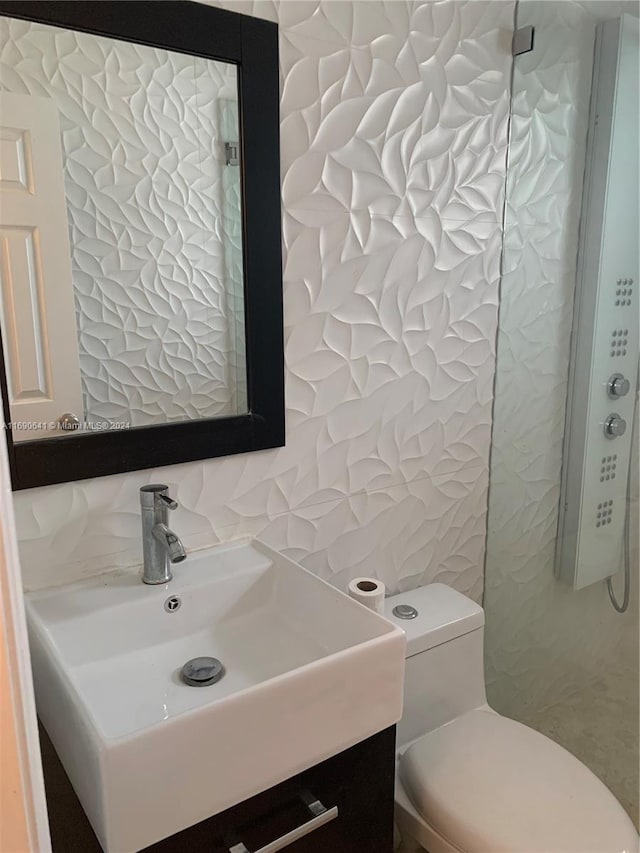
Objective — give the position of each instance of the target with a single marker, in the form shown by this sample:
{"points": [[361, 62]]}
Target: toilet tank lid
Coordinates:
{"points": [[443, 615]]}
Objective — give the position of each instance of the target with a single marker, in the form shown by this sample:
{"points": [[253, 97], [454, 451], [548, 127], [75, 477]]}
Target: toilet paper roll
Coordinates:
{"points": [[369, 592]]}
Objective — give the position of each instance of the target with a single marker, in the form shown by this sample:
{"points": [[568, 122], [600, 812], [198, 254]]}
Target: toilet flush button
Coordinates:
{"points": [[404, 611]]}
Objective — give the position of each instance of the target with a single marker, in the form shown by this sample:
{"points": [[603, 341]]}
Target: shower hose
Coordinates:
{"points": [[621, 608]]}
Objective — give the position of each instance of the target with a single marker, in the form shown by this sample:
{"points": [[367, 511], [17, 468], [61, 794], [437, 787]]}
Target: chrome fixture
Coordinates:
{"points": [[232, 153], [404, 611], [172, 604], [160, 545], [202, 671], [320, 815], [68, 421], [614, 426], [522, 41], [618, 386]]}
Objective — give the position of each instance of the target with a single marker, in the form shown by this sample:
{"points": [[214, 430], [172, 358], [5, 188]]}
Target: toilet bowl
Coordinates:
{"points": [[469, 780]]}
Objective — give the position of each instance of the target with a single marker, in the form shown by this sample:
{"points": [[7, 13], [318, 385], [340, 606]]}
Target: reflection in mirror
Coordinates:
{"points": [[121, 233]]}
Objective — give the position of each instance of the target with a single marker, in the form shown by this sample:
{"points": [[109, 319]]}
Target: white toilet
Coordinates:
{"points": [[469, 780]]}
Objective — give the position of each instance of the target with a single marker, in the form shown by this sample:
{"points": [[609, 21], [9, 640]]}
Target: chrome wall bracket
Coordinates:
{"points": [[232, 153], [522, 41]]}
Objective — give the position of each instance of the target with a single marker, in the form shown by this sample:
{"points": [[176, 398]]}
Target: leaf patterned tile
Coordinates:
{"points": [[410, 118], [389, 373], [390, 317], [406, 536]]}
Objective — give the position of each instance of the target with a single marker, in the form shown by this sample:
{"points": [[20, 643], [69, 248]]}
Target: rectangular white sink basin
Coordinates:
{"points": [[308, 673]]}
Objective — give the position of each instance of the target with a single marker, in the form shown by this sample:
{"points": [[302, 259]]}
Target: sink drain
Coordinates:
{"points": [[172, 603], [199, 672]]}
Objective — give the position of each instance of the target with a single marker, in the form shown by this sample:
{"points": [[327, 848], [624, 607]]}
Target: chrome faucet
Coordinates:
{"points": [[160, 546]]}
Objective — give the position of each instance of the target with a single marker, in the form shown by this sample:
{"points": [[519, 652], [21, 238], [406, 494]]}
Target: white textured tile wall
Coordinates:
{"points": [[544, 640], [394, 122]]}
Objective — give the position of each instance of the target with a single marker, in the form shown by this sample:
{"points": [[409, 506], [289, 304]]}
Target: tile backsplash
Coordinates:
{"points": [[393, 135]]}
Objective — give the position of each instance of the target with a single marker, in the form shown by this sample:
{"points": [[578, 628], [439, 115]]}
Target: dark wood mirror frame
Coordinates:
{"points": [[252, 45]]}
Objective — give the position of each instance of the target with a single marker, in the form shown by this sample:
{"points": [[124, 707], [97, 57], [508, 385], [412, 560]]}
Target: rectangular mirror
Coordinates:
{"points": [[128, 154], [136, 171]]}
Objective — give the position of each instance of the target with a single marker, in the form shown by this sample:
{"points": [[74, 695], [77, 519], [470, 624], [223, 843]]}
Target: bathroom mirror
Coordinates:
{"points": [[140, 267]]}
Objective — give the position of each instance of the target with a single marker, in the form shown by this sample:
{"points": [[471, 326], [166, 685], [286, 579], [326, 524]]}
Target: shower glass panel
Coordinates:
{"points": [[559, 657]]}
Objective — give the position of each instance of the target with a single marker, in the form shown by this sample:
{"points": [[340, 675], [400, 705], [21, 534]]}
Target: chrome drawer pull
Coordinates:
{"points": [[321, 814]]}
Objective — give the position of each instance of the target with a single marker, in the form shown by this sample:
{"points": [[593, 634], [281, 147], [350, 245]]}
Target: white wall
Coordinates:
{"points": [[393, 127], [150, 203], [544, 640]]}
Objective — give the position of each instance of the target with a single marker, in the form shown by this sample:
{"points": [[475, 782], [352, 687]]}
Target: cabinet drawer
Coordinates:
{"points": [[293, 826], [357, 782]]}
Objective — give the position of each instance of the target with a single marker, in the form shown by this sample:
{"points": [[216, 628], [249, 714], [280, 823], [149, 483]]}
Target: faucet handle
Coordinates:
{"points": [[155, 495]]}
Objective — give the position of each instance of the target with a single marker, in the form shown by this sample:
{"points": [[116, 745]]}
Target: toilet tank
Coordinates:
{"points": [[444, 674]]}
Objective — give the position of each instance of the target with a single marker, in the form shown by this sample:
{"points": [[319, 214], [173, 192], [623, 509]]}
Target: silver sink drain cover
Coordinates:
{"points": [[198, 672]]}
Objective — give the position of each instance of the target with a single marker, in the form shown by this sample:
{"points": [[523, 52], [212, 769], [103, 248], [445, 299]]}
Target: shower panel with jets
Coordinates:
{"points": [[593, 519]]}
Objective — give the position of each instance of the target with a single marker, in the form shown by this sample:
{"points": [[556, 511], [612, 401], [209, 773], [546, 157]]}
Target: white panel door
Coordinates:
{"points": [[37, 308]]}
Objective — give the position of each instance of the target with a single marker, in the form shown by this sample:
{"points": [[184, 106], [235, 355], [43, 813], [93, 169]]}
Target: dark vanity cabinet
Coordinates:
{"points": [[357, 782]]}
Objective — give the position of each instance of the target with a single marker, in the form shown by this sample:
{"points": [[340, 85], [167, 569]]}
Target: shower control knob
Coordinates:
{"points": [[618, 386], [614, 426]]}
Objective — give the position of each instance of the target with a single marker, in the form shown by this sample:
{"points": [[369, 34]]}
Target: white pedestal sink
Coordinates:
{"points": [[308, 673]]}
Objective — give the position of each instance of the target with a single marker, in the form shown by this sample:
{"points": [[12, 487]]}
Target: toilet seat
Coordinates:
{"points": [[487, 783]]}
